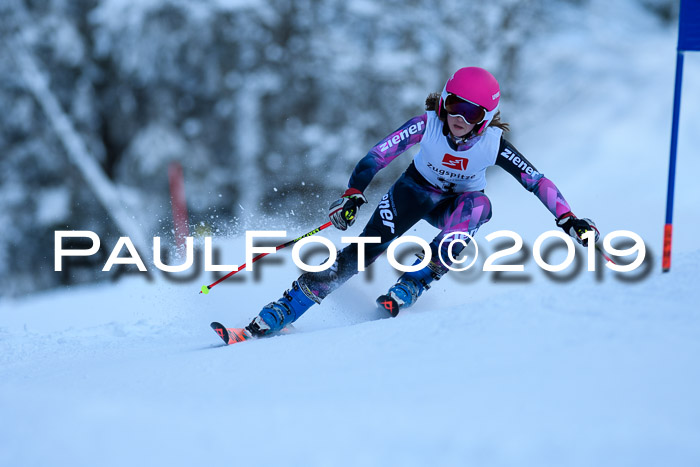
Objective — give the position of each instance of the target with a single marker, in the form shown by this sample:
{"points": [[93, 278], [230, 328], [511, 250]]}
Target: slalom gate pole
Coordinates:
{"points": [[688, 40], [668, 226], [205, 288]]}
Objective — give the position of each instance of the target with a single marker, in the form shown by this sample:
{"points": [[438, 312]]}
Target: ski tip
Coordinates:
{"points": [[388, 304], [221, 330]]}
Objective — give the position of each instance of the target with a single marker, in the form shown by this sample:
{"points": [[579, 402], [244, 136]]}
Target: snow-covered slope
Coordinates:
{"points": [[594, 370], [587, 374]]}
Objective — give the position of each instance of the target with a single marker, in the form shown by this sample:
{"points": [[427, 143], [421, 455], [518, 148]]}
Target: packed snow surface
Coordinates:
{"points": [[536, 373], [511, 369]]}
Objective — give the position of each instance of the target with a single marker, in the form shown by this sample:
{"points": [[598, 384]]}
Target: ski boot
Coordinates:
{"points": [[410, 286], [276, 315]]}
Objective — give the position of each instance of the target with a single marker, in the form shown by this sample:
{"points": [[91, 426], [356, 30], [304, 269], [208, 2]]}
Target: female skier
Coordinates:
{"points": [[460, 135]]}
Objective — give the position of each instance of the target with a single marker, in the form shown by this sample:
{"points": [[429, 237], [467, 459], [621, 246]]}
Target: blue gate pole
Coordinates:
{"points": [[668, 227]]}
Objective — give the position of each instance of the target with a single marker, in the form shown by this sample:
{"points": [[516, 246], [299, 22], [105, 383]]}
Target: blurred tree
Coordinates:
{"points": [[266, 106]]}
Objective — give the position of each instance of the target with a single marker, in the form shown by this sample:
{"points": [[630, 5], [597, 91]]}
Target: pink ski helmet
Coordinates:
{"points": [[474, 85]]}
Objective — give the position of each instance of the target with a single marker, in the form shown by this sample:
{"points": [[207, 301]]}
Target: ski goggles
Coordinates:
{"points": [[471, 113]]}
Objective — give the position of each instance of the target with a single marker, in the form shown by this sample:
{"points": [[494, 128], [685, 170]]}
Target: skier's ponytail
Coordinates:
{"points": [[431, 102], [498, 123]]}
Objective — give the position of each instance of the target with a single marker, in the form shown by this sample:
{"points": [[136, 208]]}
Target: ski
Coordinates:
{"points": [[236, 335], [388, 304], [231, 335]]}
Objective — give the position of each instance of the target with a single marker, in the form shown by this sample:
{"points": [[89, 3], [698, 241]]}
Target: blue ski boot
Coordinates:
{"points": [[410, 286], [276, 315]]}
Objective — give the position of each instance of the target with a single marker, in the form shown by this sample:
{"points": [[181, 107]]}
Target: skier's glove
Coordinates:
{"points": [[576, 227], [344, 210]]}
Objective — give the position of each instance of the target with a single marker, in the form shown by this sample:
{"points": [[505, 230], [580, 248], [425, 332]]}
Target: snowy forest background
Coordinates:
{"points": [[266, 105]]}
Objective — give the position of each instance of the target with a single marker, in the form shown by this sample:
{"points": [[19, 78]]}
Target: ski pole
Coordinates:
{"points": [[205, 288], [600, 250], [597, 246]]}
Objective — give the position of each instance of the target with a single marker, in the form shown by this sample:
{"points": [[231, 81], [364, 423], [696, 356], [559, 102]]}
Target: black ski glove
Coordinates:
{"points": [[344, 210], [576, 227]]}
